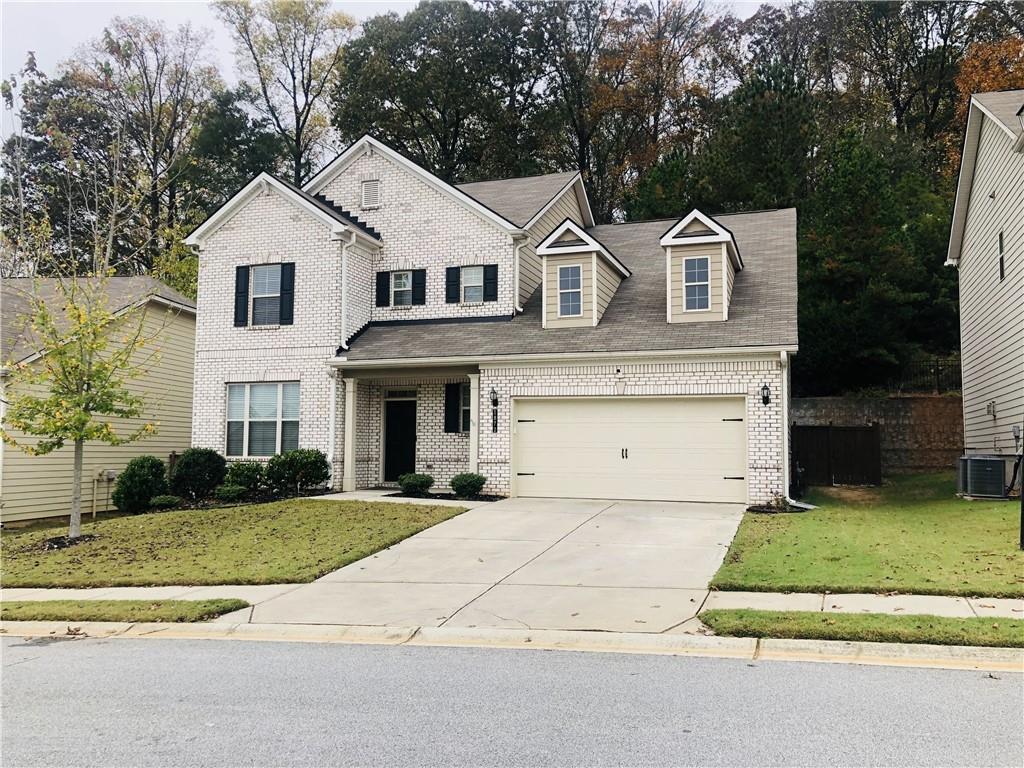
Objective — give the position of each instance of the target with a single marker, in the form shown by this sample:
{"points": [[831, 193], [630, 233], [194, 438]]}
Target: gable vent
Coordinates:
{"points": [[371, 193]]}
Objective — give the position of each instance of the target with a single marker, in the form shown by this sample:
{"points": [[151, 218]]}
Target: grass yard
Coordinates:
{"points": [[867, 627], [912, 535], [295, 540], [118, 610]]}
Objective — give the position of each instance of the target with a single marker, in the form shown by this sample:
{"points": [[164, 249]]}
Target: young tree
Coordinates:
{"points": [[289, 50]]}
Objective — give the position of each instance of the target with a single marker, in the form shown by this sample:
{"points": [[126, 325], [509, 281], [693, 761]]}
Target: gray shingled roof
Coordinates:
{"points": [[762, 312], [518, 200], [1004, 105], [15, 305]]}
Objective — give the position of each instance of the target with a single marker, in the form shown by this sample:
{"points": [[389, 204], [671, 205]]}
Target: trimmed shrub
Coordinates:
{"points": [[143, 478], [293, 471], [468, 484], [166, 501], [230, 493], [413, 484], [197, 472], [247, 474]]}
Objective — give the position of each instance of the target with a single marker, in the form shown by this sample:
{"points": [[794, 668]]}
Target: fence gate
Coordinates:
{"points": [[838, 455]]}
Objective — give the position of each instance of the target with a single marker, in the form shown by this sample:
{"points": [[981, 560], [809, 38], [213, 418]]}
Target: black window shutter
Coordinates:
{"points": [[452, 407], [383, 289], [491, 282], [241, 296], [452, 284], [419, 286], [287, 293]]}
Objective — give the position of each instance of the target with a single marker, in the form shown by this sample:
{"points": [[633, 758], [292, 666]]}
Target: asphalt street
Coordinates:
{"points": [[226, 703]]}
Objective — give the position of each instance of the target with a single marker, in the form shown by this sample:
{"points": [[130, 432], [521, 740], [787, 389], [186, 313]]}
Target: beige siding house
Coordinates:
{"points": [[987, 248], [34, 487]]}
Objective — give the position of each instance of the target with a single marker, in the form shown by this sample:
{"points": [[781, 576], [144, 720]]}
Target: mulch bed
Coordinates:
{"points": [[770, 509], [446, 496], [63, 542]]}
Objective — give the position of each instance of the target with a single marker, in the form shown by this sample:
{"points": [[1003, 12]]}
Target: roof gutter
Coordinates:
{"points": [[422, 362]]}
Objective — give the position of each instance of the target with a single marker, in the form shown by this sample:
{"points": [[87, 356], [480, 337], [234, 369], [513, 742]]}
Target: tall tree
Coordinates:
{"points": [[288, 50]]}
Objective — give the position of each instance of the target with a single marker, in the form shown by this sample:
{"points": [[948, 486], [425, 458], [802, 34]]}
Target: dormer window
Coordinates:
{"points": [[370, 194], [570, 290], [697, 284]]}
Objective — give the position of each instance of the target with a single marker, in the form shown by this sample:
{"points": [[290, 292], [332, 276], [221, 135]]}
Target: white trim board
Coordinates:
{"points": [[550, 246], [720, 234]]}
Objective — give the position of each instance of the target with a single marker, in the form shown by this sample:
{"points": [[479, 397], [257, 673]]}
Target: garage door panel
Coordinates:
{"points": [[678, 448]]}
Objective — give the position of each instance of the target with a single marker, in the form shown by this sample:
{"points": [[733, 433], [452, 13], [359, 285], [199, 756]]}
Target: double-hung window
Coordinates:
{"points": [[266, 294], [263, 419], [401, 289], [697, 283], [472, 285], [570, 291]]}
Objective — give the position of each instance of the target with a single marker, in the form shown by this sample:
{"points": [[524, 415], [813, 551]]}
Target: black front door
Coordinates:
{"points": [[399, 438]]}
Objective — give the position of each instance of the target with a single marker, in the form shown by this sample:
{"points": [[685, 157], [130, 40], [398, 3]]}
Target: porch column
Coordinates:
{"points": [[474, 422], [348, 474]]}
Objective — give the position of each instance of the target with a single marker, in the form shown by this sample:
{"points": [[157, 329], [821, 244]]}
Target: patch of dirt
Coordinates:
{"points": [[446, 496], [63, 542], [855, 494]]}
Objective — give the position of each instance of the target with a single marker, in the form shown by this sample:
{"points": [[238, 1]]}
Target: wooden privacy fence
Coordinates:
{"points": [[833, 455]]}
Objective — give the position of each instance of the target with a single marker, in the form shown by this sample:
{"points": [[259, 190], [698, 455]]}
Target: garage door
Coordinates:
{"points": [[678, 449]]}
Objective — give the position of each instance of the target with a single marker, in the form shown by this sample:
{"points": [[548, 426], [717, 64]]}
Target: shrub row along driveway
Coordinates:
{"points": [[288, 541], [535, 563]]}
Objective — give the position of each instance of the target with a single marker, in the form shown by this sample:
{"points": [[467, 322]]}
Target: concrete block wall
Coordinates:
{"points": [[424, 229], [722, 377], [919, 433]]}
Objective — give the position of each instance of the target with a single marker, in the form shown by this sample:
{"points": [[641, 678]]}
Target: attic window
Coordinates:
{"points": [[370, 194], [696, 284]]}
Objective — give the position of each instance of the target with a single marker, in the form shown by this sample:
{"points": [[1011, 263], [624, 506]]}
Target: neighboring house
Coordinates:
{"points": [[40, 486], [399, 323], [986, 245]]}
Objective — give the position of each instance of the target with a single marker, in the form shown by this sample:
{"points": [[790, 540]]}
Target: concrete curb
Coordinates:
{"points": [[824, 651]]}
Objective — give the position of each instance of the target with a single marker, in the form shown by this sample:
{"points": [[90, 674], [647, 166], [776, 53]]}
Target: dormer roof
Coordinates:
{"points": [[569, 237], [696, 228]]}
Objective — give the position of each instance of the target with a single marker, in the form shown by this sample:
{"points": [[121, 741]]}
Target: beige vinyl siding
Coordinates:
{"points": [[40, 486], [677, 254], [607, 283], [730, 279], [992, 311], [585, 260], [566, 207]]}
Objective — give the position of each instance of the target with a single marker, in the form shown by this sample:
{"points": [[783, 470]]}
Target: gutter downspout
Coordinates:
{"points": [[517, 243], [344, 291], [784, 357], [332, 373]]}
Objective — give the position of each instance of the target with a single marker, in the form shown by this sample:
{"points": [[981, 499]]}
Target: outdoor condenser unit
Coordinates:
{"points": [[982, 476]]}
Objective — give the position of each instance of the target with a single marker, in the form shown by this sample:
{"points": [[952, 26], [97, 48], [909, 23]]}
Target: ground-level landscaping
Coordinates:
{"points": [[866, 627], [911, 535], [118, 610], [289, 541]]}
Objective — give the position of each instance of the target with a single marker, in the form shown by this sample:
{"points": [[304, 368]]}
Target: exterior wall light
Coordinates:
{"points": [[494, 397], [766, 394]]}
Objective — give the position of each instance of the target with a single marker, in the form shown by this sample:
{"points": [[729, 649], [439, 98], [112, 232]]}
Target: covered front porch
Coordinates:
{"points": [[395, 421]]}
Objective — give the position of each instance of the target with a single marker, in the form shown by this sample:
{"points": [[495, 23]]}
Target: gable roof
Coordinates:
{"points": [[525, 199], [707, 231], [122, 293], [580, 242], [369, 144], [1003, 109], [335, 217], [762, 311]]}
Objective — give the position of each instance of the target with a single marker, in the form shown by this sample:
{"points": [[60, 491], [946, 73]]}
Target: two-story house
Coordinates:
{"points": [[986, 245], [401, 323]]}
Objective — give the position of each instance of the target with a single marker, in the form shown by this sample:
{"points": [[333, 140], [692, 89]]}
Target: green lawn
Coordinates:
{"points": [[296, 540], [912, 535], [868, 627], [117, 610]]}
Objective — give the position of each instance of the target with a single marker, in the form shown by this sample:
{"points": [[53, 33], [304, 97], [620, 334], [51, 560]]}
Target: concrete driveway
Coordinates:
{"points": [[533, 563]]}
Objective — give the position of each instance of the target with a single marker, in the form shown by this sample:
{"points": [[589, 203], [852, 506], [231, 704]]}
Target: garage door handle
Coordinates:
{"points": [[526, 421], [733, 478], [732, 419], [625, 453], [525, 474]]}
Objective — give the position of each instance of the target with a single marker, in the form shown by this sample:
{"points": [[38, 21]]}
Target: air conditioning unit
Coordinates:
{"points": [[983, 476]]}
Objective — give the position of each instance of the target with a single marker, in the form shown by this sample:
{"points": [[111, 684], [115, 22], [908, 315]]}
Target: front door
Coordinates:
{"points": [[399, 438]]}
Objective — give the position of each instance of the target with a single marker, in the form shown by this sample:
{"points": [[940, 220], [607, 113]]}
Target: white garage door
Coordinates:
{"points": [[666, 449]]}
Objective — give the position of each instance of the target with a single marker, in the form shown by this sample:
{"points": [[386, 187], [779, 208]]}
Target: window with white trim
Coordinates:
{"points": [[401, 289], [697, 283], [464, 411], [263, 419], [370, 193], [472, 279], [570, 291], [266, 294]]}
